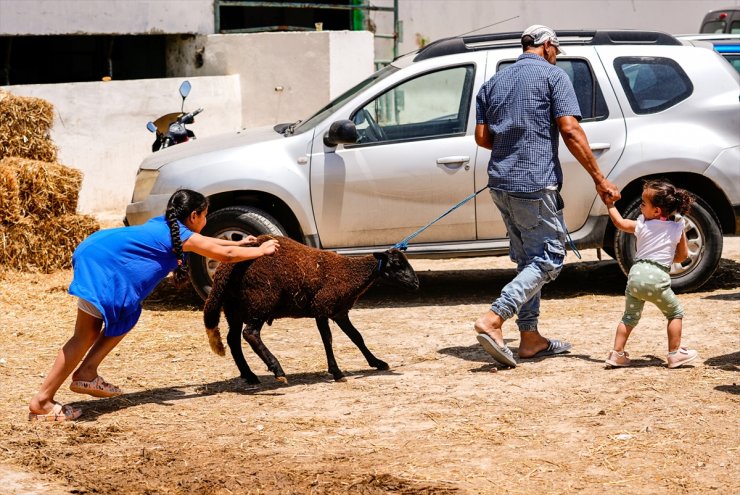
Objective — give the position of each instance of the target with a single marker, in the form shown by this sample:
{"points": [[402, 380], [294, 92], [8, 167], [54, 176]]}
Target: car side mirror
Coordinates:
{"points": [[341, 132]]}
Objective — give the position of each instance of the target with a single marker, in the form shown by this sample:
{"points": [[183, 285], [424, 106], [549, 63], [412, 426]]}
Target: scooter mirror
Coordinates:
{"points": [[151, 126], [185, 89]]}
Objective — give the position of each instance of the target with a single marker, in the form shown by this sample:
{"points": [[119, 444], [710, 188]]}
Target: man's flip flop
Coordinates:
{"points": [[501, 354], [96, 387], [57, 413], [553, 347]]}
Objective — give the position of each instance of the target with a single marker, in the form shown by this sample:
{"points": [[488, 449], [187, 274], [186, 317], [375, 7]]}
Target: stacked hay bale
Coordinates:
{"points": [[39, 227]]}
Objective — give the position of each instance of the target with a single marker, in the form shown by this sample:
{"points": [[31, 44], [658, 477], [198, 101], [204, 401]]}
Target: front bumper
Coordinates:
{"points": [[139, 212]]}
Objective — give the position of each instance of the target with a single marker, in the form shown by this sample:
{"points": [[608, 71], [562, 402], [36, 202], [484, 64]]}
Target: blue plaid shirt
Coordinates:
{"points": [[519, 105]]}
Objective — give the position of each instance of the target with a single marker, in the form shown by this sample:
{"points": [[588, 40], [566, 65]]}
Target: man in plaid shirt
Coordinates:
{"points": [[520, 112]]}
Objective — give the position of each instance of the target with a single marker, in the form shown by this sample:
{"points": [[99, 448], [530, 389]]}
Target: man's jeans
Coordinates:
{"points": [[535, 225]]}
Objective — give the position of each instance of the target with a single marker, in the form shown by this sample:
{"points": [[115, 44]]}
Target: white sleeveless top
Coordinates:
{"points": [[657, 239]]}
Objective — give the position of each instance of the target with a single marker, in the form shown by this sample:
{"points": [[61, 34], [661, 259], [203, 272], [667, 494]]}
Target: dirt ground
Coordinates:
{"points": [[442, 420]]}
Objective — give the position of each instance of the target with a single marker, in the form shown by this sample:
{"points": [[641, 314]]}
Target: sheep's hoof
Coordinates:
{"points": [[282, 379], [381, 365], [251, 379]]}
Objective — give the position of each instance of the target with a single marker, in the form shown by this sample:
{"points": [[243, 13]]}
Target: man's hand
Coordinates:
{"points": [[607, 191]]}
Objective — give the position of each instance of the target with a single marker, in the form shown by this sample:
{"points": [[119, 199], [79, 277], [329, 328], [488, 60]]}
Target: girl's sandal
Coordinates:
{"points": [[96, 387], [57, 413]]}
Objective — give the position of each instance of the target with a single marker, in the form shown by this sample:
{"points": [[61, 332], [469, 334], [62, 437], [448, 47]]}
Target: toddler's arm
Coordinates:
{"points": [[622, 224], [682, 250], [232, 253]]}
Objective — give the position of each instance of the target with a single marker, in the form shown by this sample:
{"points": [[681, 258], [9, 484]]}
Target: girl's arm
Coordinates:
{"points": [[223, 242], [230, 253], [682, 250], [621, 223]]}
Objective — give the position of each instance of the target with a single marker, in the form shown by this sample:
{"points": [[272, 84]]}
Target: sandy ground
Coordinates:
{"points": [[442, 420]]}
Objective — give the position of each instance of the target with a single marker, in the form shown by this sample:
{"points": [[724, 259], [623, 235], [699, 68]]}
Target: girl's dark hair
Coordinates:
{"points": [[181, 204], [669, 198]]}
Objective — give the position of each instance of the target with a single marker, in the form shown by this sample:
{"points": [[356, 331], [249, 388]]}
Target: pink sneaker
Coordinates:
{"points": [[618, 359], [681, 356]]}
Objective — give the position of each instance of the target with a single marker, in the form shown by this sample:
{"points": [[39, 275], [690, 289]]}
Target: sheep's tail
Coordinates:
{"points": [[212, 307]]}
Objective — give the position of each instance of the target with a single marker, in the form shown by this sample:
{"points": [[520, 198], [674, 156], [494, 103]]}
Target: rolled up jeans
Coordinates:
{"points": [[535, 225]]}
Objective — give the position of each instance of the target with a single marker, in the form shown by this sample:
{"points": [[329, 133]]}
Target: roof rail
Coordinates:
{"points": [[462, 44]]}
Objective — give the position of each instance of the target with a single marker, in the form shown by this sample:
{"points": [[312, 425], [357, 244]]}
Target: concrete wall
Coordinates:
{"points": [[436, 19], [100, 127], [40, 17], [284, 76]]}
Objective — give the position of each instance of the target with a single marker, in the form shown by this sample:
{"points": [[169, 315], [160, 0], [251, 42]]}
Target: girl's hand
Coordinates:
{"points": [[250, 239], [269, 247]]}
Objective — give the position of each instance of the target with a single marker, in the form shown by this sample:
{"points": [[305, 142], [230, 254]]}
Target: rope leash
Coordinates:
{"points": [[404, 244]]}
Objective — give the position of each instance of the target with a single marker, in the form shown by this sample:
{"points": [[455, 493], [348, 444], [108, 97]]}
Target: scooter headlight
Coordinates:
{"points": [[145, 181]]}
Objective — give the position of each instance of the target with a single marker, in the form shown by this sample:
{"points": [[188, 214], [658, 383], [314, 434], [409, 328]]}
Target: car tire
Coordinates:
{"points": [[704, 237], [233, 223]]}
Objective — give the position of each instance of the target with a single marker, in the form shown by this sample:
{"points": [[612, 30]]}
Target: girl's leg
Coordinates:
{"points": [[674, 334], [88, 370], [87, 330], [620, 339]]}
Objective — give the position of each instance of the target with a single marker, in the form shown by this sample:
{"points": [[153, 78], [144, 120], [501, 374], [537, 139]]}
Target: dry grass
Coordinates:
{"points": [[440, 421], [25, 123]]}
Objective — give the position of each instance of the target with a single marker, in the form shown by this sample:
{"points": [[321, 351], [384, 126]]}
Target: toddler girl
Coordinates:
{"points": [[661, 241]]}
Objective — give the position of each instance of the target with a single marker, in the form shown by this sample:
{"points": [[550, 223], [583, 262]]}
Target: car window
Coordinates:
{"points": [[713, 27], [652, 84], [734, 61], [434, 104], [588, 92], [735, 27]]}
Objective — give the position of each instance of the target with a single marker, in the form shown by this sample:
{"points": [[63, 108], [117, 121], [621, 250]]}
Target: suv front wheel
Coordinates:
{"points": [[233, 223], [703, 235]]}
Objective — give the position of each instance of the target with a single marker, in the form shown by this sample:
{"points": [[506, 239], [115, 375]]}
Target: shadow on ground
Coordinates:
{"points": [[474, 286]]}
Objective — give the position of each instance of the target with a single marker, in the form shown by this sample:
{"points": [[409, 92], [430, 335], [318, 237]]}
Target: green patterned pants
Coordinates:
{"points": [[649, 281]]}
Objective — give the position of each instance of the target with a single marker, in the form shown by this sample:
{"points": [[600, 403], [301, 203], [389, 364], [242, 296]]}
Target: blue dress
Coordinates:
{"points": [[116, 269]]}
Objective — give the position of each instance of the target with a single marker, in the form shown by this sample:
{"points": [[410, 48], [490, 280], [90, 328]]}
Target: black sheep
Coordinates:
{"points": [[297, 282]]}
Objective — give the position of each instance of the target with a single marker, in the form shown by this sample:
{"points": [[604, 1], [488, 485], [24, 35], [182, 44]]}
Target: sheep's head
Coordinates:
{"points": [[395, 267]]}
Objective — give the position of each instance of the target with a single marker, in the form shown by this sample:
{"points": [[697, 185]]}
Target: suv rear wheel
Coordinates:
{"points": [[234, 224], [704, 237]]}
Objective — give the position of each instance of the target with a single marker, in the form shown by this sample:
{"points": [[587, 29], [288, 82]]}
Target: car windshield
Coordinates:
{"points": [[341, 100]]}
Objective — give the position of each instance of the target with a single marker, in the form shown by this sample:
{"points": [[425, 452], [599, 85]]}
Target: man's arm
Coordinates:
{"points": [[577, 143], [483, 137]]}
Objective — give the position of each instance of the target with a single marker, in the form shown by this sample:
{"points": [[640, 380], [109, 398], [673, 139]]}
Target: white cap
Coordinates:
{"points": [[540, 34]]}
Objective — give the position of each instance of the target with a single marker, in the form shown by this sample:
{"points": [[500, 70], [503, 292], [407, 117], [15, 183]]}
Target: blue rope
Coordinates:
{"points": [[405, 243]]}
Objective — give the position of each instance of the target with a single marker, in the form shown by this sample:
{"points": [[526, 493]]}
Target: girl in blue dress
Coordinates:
{"points": [[114, 271]]}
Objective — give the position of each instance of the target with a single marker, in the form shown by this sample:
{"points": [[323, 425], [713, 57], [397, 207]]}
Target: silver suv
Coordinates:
{"points": [[394, 152]]}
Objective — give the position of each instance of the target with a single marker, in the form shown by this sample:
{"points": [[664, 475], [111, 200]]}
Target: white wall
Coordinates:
{"points": [[436, 19], [284, 76], [100, 127], [40, 17]]}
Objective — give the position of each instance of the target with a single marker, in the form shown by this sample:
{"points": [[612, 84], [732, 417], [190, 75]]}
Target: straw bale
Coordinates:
{"points": [[10, 204], [46, 245], [25, 123], [45, 190]]}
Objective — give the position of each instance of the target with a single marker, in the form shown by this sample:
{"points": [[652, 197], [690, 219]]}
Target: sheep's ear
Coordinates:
{"points": [[381, 256]]}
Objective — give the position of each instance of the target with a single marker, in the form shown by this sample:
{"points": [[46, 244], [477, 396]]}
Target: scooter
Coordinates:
{"points": [[170, 129]]}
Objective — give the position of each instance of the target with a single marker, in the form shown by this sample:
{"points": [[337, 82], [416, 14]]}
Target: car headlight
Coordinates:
{"points": [[145, 180]]}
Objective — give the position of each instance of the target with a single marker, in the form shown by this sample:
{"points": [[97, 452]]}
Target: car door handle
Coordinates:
{"points": [[600, 146], [453, 161]]}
